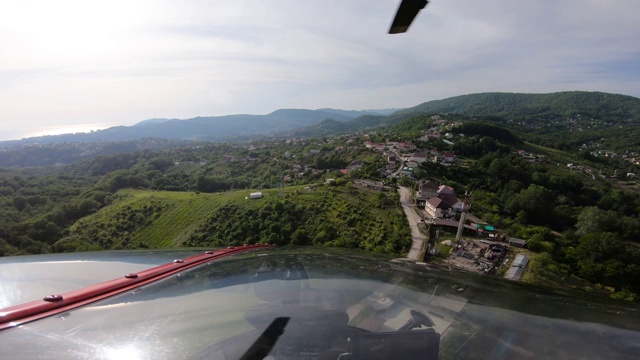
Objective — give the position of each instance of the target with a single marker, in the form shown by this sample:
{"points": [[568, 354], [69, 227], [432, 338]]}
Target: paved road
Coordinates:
{"points": [[418, 239], [401, 160]]}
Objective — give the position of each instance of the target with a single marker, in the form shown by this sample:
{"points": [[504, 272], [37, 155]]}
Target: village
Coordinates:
{"points": [[374, 162], [486, 250]]}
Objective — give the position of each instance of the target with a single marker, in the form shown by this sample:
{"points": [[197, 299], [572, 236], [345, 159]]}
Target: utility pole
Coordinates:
{"points": [[463, 216]]}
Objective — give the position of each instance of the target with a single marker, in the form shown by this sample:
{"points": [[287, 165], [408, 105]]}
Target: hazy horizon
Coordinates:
{"points": [[73, 63], [89, 127]]}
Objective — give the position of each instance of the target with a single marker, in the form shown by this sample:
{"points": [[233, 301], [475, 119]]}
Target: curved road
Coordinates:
{"points": [[418, 246]]}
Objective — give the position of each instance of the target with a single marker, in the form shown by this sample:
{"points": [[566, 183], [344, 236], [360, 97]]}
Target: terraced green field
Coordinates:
{"points": [[156, 219]]}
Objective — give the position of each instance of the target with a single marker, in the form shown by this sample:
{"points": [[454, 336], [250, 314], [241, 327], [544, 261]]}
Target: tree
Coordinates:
{"points": [[536, 203], [598, 247], [299, 237], [593, 220]]}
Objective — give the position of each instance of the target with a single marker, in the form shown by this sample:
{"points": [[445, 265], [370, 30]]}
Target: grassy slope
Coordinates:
{"points": [[175, 225], [175, 216], [170, 227]]}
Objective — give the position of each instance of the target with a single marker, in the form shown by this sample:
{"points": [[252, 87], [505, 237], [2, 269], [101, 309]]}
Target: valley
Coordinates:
{"points": [[573, 200]]}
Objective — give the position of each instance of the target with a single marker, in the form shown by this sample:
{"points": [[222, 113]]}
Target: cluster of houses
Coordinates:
{"points": [[432, 155], [430, 135], [391, 145], [530, 157], [412, 158], [408, 151], [583, 170], [632, 157], [605, 153], [439, 201], [590, 172]]}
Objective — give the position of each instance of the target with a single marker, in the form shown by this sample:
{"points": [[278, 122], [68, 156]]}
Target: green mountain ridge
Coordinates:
{"points": [[566, 103], [520, 105], [562, 120]]}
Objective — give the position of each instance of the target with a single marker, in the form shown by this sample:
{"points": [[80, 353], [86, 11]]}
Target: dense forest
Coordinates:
{"points": [[64, 153], [40, 206], [515, 105]]}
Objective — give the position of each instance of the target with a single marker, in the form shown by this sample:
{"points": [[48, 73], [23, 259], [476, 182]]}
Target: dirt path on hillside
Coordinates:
{"points": [[417, 251]]}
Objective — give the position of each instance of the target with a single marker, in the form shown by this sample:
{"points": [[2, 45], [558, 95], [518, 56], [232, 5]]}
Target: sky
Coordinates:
{"points": [[76, 65]]}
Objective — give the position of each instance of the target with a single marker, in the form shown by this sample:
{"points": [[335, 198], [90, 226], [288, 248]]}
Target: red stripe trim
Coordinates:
{"points": [[55, 304]]}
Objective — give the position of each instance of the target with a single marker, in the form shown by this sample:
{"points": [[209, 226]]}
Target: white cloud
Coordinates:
{"points": [[77, 62]]}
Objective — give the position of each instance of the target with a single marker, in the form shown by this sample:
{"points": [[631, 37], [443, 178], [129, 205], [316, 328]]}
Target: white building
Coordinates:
{"points": [[256, 195]]}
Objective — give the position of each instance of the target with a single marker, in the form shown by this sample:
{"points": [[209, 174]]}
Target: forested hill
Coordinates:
{"points": [[568, 121], [596, 105], [198, 128]]}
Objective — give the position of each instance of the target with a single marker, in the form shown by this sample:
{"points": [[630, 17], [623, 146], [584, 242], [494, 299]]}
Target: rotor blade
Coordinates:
{"points": [[267, 340], [407, 11]]}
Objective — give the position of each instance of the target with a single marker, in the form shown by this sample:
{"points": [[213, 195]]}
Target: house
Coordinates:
{"points": [[412, 164], [418, 157], [314, 152], [406, 171], [448, 196], [427, 190], [445, 190], [452, 201], [436, 208], [517, 242], [448, 156], [406, 146], [354, 165]]}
